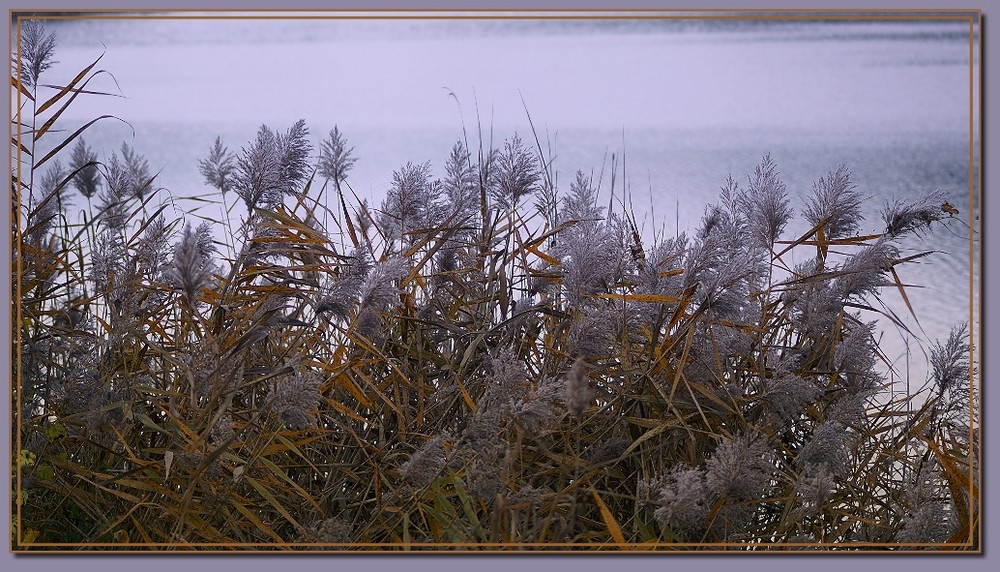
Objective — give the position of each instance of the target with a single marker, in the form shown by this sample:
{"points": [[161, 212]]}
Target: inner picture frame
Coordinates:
{"points": [[552, 281]]}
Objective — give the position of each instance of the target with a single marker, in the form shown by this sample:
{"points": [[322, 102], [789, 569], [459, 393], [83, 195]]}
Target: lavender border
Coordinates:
{"points": [[421, 563]]}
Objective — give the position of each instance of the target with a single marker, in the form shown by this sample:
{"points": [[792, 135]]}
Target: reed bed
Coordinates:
{"points": [[484, 361]]}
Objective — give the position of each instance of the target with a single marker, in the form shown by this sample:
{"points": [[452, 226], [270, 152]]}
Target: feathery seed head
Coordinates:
{"points": [[339, 297], [787, 396], [115, 196], [80, 389], [258, 169], [218, 167], [107, 268], [740, 467], [192, 267], [540, 407], [83, 161], [516, 174], [925, 516], [294, 149], [137, 172], [949, 361], [223, 431], [486, 466], [593, 258], [836, 201], [528, 496], [412, 203], [37, 49], [578, 391], [273, 166], [426, 463], [866, 271], [405, 202], [765, 203], [828, 446], [343, 291], [461, 185], [854, 358], [49, 204], [607, 450], [849, 410], [684, 502], [336, 159], [814, 487], [379, 290], [295, 397], [508, 383], [581, 202], [593, 331], [151, 252], [901, 217]]}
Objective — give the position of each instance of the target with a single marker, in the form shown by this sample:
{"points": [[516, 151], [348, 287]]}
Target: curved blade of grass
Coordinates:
{"points": [[121, 519], [371, 384], [660, 428], [14, 81], [800, 240], [14, 141], [55, 116], [76, 134], [257, 521], [534, 250], [264, 492], [609, 520], [284, 477], [959, 482], [347, 383], [347, 219], [470, 511], [69, 87], [902, 293], [87, 91]]}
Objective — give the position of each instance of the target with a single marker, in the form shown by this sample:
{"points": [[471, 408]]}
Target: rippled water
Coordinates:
{"points": [[684, 103]]}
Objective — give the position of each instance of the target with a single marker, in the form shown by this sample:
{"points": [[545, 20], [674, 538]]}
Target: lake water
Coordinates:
{"points": [[686, 103]]}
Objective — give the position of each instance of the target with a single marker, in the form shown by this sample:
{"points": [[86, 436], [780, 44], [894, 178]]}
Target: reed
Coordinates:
{"points": [[456, 370]]}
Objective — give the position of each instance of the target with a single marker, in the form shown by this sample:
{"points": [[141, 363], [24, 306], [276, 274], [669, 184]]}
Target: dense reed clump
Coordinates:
{"points": [[453, 369]]}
